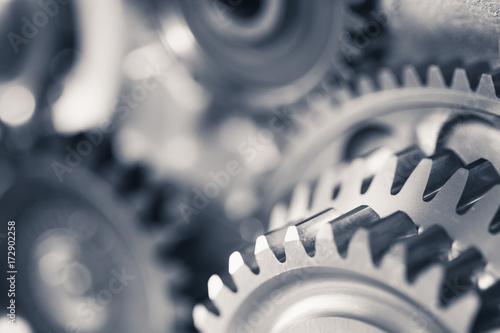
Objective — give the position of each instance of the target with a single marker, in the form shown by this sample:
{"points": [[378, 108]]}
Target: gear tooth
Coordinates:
{"points": [[383, 179], [365, 85], [451, 192], [299, 203], [486, 86], [415, 185], [460, 81], [278, 217], [292, 235], [427, 285], [484, 210], [359, 248], [435, 77], [342, 94], [353, 180], [387, 80], [410, 77], [235, 262], [218, 292], [261, 245], [238, 269], [393, 263], [263, 253], [325, 233], [202, 317], [325, 248], [322, 198], [294, 248], [460, 315]]}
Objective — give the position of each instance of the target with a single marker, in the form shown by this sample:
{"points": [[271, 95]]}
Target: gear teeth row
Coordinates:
{"points": [[427, 189], [460, 87], [389, 249], [410, 78]]}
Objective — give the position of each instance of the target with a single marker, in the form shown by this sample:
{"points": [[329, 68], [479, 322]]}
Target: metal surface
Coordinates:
{"points": [[375, 284], [255, 53], [346, 123], [89, 262]]}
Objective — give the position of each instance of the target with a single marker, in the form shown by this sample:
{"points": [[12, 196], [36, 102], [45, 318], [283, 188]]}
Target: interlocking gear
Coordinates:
{"points": [[327, 273], [454, 109], [463, 199]]}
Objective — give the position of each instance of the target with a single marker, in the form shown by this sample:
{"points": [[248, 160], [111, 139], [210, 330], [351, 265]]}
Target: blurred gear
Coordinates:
{"points": [[454, 109], [89, 92], [27, 51], [326, 273], [89, 256], [258, 53]]}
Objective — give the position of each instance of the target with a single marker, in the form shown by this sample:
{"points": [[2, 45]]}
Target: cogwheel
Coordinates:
{"points": [[453, 109], [463, 198], [83, 246], [260, 54], [327, 274]]}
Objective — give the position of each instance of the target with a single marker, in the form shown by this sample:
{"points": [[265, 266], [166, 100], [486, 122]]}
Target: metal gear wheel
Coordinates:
{"points": [[463, 199], [259, 53], [456, 109], [327, 273], [84, 242]]}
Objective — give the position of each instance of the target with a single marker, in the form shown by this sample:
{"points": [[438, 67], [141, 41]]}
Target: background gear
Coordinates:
{"points": [[384, 113], [91, 252]]}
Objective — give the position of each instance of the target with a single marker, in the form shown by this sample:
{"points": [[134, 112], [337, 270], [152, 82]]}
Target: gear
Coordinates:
{"points": [[77, 237], [463, 199], [439, 114], [260, 54], [327, 273]]}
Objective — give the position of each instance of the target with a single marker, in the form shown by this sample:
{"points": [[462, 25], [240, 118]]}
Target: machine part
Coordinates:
{"points": [[463, 198], [259, 53], [457, 33], [348, 123], [85, 255], [329, 274], [25, 53], [90, 91]]}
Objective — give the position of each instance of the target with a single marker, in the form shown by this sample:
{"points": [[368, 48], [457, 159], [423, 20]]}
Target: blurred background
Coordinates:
{"points": [[143, 141]]}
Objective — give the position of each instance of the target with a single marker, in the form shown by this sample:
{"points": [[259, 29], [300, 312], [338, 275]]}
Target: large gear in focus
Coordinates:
{"points": [[463, 198], [327, 274]]}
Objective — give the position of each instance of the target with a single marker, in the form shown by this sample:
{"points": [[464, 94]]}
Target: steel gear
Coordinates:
{"points": [[448, 108], [329, 274], [262, 53], [78, 237], [463, 199]]}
